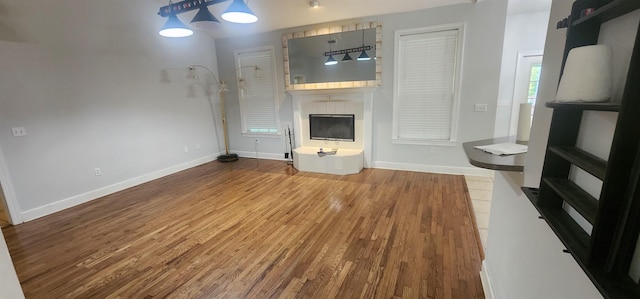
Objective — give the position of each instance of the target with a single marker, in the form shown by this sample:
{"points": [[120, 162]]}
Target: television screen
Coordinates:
{"points": [[339, 127]]}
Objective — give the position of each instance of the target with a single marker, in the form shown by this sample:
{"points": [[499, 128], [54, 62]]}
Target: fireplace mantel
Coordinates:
{"points": [[360, 97]]}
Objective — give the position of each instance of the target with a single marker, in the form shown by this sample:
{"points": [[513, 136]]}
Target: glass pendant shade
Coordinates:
{"points": [[364, 56], [239, 12], [174, 28], [205, 20], [347, 57], [331, 61]]}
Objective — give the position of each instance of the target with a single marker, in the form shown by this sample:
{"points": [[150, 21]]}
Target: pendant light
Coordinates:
{"points": [[205, 20], [331, 61], [239, 12], [174, 28], [347, 57], [363, 55]]}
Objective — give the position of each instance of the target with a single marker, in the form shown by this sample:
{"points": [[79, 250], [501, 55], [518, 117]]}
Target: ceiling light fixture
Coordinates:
{"points": [[205, 20], [347, 57], [237, 12], [314, 3], [330, 60], [174, 28], [363, 55]]}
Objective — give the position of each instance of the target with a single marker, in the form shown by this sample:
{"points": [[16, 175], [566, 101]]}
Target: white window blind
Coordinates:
{"points": [[424, 99], [257, 90]]}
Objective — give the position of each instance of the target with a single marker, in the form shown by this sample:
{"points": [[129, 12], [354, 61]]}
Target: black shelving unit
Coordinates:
{"points": [[605, 255]]}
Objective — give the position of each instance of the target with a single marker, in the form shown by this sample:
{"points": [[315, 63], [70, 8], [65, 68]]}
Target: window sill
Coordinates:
{"points": [[258, 135], [425, 142]]}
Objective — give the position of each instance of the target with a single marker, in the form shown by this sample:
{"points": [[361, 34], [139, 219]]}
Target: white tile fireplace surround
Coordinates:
{"points": [[354, 155]]}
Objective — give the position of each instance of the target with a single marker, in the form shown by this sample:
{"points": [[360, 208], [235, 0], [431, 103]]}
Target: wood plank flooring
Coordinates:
{"points": [[258, 229]]}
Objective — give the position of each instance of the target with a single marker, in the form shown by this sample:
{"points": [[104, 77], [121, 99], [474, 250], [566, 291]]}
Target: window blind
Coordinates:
{"points": [[257, 90], [425, 85]]}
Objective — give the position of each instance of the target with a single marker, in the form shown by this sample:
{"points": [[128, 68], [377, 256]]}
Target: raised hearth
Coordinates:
{"points": [[346, 101]]}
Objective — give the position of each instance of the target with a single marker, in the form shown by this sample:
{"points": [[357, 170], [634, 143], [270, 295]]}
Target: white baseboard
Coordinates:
{"points": [[267, 156], [475, 171], [486, 281], [94, 194]]}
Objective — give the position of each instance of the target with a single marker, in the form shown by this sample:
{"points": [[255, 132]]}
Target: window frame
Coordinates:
{"points": [[241, 100], [455, 105]]}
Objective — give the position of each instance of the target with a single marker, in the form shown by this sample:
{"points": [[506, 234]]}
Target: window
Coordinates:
{"points": [[425, 85], [534, 81], [257, 90]]}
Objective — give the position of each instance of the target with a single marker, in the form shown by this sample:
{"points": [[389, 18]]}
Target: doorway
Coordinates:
{"points": [[9, 211], [525, 89], [4, 215]]}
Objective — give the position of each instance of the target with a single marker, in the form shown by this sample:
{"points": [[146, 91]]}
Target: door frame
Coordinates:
{"points": [[515, 103], [10, 199]]}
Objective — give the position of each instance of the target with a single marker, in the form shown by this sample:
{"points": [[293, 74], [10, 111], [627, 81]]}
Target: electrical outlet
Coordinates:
{"points": [[480, 107], [186, 149], [198, 146], [97, 171], [19, 131]]}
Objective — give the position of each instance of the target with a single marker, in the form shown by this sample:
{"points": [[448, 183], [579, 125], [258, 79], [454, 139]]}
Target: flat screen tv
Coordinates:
{"points": [[339, 127]]}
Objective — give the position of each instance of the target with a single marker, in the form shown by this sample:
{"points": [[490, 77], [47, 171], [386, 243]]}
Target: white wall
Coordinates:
{"points": [[9, 283], [484, 29], [95, 97], [524, 258], [524, 33]]}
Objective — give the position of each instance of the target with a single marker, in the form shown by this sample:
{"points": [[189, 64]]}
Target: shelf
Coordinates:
{"points": [[574, 238], [590, 163], [577, 241], [608, 12], [481, 159], [597, 106], [580, 200]]}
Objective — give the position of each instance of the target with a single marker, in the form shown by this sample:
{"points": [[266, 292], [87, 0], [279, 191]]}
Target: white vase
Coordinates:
{"points": [[587, 75]]}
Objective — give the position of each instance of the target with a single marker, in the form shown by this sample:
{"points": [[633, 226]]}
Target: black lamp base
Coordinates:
{"points": [[228, 158]]}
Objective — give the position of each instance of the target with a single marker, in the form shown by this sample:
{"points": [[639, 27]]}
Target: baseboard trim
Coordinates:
{"points": [[433, 168], [95, 194], [486, 281], [267, 156]]}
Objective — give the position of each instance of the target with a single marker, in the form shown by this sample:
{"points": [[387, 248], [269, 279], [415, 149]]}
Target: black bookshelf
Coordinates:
{"points": [[605, 254]]}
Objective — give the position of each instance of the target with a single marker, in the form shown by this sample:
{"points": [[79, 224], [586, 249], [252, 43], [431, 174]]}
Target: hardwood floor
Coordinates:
{"points": [[258, 229]]}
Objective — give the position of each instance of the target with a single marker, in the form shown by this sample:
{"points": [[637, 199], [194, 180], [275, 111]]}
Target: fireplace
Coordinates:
{"points": [[312, 105], [337, 127]]}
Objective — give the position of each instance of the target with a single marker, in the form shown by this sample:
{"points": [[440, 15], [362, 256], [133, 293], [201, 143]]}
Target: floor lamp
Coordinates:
{"points": [[222, 88]]}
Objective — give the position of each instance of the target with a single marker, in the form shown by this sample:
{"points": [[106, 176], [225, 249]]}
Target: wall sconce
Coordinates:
{"points": [[237, 12]]}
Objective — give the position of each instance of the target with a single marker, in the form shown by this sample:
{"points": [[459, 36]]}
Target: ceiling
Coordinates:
{"points": [[101, 24], [281, 14]]}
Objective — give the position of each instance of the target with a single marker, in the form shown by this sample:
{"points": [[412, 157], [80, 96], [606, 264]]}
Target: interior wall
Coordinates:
{"points": [[97, 98], [524, 33], [524, 258], [522, 248], [9, 283], [479, 84]]}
